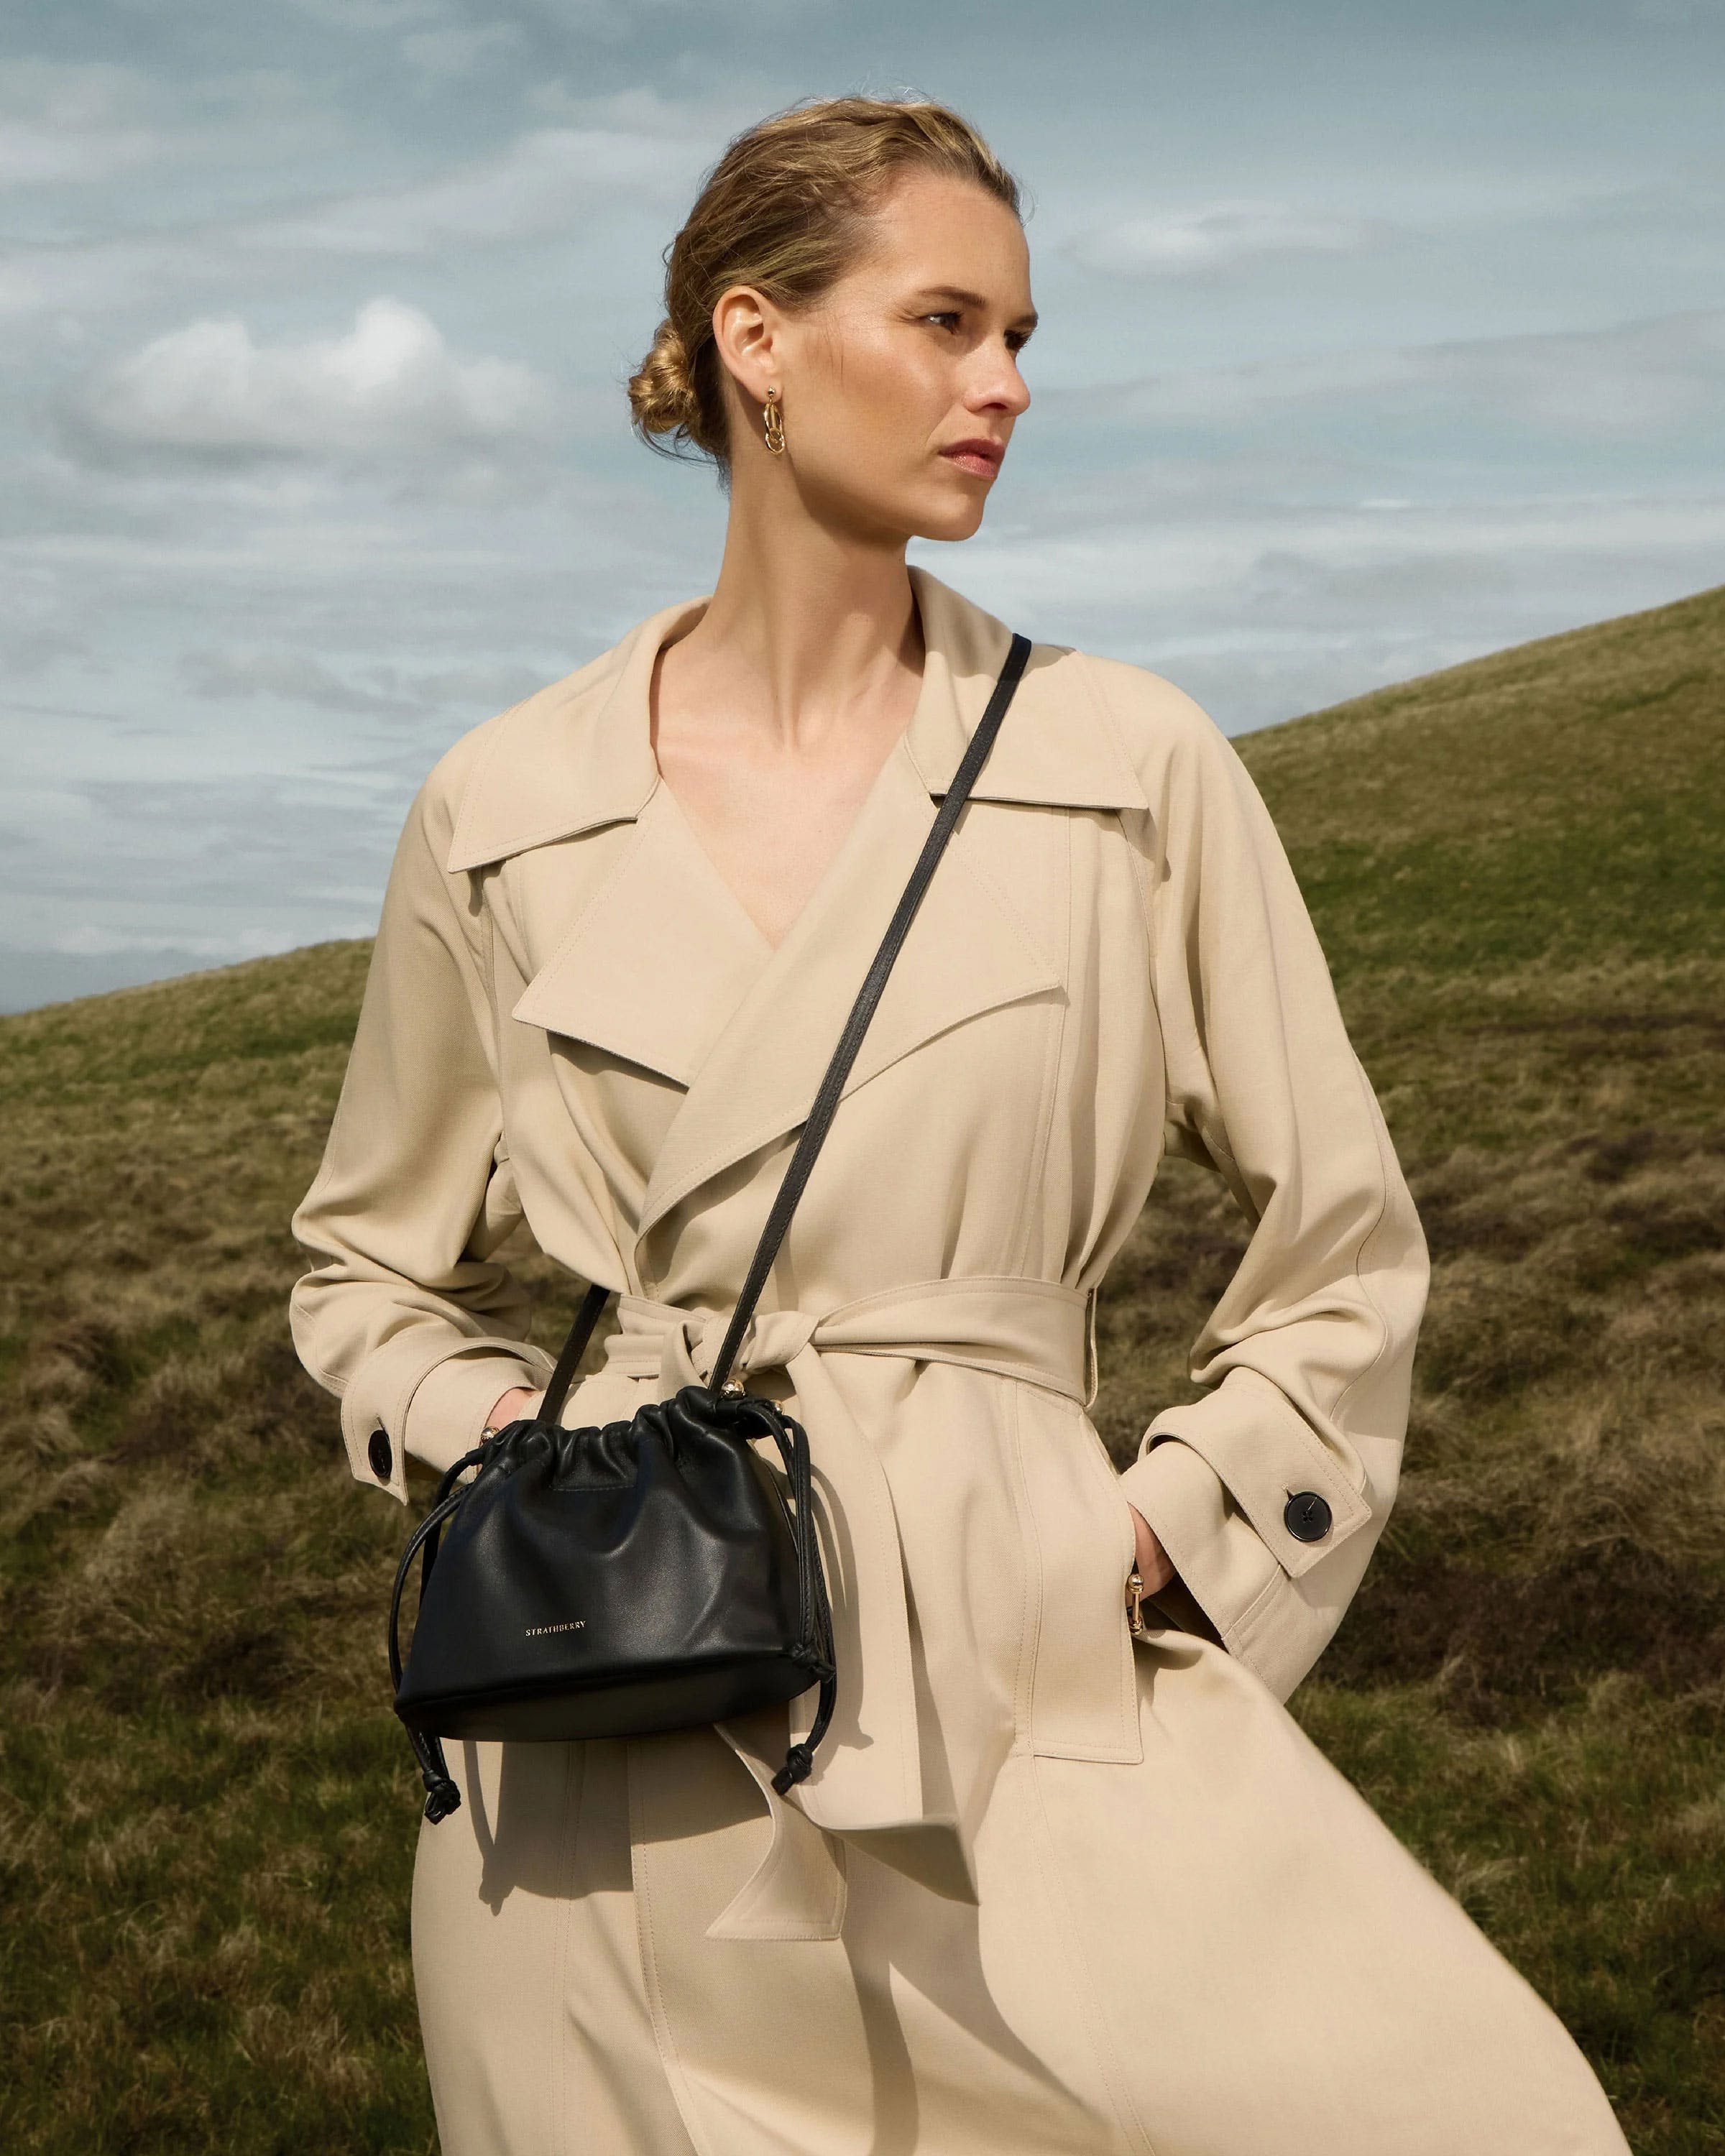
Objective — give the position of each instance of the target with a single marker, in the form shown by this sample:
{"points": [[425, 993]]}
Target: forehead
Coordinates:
{"points": [[934, 231]]}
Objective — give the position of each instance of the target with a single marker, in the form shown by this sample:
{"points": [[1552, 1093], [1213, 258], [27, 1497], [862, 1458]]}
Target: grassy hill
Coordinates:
{"points": [[206, 1812]]}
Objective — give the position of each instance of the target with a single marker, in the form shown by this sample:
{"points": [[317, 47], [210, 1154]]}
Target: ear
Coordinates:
{"points": [[748, 331]]}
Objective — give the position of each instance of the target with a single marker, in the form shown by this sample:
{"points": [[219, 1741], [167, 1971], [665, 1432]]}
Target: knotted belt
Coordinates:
{"points": [[867, 1782]]}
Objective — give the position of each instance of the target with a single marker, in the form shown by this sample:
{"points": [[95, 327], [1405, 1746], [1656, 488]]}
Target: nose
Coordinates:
{"points": [[1001, 388]]}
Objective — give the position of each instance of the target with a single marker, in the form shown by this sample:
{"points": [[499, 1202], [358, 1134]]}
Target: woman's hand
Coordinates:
{"points": [[1154, 1563], [511, 1406]]}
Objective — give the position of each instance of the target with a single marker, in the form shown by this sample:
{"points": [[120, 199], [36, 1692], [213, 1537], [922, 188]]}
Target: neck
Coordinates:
{"points": [[805, 630]]}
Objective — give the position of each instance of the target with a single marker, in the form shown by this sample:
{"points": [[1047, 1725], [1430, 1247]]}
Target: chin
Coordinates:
{"points": [[949, 519]]}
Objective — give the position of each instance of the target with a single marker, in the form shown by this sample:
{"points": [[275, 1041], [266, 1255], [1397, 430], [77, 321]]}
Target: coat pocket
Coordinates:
{"points": [[1079, 1545]]}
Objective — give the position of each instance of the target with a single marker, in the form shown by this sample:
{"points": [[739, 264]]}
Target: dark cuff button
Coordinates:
{"points": [[382, 1458], [1307, 1516]]}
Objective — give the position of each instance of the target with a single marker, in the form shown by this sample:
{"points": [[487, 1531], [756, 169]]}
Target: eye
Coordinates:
{"points": [[1016, 340]]}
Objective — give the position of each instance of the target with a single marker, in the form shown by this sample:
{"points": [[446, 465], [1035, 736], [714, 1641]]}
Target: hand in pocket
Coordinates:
{"points": [[1155, 1566]]}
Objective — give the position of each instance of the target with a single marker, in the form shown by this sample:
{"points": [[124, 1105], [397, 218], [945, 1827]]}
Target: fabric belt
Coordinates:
{"points": [[866, 1786]]}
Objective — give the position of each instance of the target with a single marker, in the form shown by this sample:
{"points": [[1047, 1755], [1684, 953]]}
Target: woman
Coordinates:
{"points": [[1056, 1883]]}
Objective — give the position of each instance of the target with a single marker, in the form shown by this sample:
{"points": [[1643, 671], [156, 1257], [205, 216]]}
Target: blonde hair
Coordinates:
{"points": [[785, 209]]}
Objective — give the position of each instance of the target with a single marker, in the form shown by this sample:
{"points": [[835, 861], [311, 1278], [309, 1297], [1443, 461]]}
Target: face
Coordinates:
{"points": [[910, 356]]}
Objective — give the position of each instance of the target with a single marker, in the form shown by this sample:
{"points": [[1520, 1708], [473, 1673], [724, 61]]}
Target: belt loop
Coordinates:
{"points": [[1092, 1362]]}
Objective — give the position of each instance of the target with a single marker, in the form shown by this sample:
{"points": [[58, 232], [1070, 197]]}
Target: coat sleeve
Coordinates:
{"points": [[1269, 1491], [409, 1320]]}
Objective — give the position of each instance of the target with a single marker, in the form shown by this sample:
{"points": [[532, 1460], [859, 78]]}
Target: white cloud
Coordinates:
{"points": [[539, 184], [72, 124], [603, 21], [1630, 377], [643, 109], [241, 943], [456, 49], [435, 38], [1352, 573], [435, 19], [1187, 242], [375, 691], [1261, 615], [296, 677], [370, 17], [548, 184], [390, 387]]}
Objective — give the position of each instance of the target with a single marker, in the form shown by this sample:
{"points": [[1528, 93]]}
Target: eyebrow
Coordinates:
{"points": [[1027, 320]]}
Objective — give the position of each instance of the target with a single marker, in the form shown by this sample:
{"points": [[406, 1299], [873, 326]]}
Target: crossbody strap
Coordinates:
{"points": [[826, 1099]]}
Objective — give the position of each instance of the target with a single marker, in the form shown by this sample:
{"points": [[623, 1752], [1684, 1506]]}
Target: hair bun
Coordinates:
{"points": [[662, 392]]}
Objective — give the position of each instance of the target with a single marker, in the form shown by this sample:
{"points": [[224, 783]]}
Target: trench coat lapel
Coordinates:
{"points": [[662, 964], [574, 762], [657, 959]]}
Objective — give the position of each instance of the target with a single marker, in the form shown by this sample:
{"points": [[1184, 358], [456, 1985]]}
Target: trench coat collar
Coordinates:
{"points": [[662, 964], [578, 753]]}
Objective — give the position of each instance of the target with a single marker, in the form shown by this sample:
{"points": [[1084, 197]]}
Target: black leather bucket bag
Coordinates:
{"points": [[656, 1574]]}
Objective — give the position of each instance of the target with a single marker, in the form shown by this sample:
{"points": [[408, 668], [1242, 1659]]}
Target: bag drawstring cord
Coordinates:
{"points": [[816, 1614], [442, 1797]]}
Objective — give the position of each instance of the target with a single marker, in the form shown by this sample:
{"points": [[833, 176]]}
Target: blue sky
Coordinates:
{"points": [[1372, 337]]}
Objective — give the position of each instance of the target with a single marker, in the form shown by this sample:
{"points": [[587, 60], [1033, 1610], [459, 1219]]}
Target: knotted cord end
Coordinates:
{"points": [[442, 1798], [798, 1761]]}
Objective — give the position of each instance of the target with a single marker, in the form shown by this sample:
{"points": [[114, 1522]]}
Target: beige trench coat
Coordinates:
{"points": [[1047, 1888]]}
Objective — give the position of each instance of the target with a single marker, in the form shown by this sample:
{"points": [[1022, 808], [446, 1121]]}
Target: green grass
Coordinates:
{"points": [[207, 1813]]}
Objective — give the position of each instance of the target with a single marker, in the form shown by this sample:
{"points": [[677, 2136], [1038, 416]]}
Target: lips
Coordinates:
{"points": [[977, 455]]}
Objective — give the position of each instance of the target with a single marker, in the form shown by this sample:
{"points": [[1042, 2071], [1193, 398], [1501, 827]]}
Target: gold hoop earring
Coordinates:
{"points": [[773, 428]]}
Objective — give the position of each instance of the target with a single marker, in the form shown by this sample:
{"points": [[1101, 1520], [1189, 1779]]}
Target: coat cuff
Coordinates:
{"points": [[429, 1402], [1246, 1499], [1274, 1466]]}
